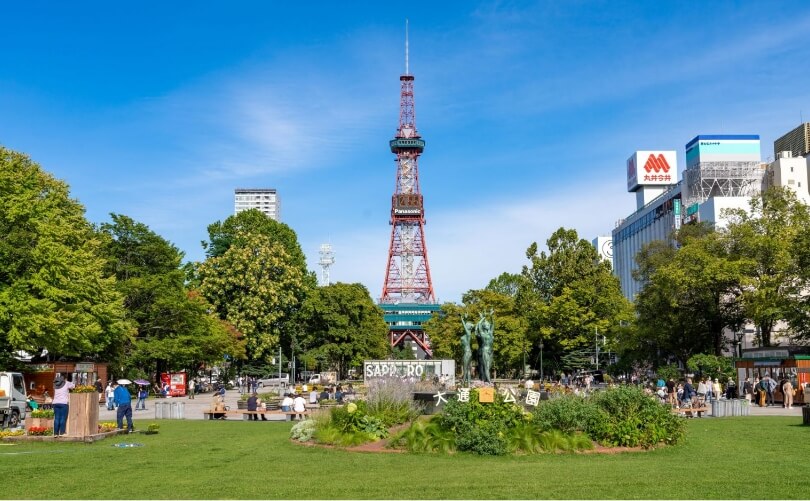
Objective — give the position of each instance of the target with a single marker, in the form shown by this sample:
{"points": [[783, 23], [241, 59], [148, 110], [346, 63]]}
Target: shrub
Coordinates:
{"points": [[426, 437], [391, 400], [567, 413], [628, 417], [42, 413], [303, 430], [481, 428]]}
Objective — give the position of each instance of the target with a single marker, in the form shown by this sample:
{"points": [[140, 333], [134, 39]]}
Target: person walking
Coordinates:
{"points": [[61, 398], [192, 389], [109, 397], [124, 402], [769, 388], [143, 393], [717, 390], [787, 392]]}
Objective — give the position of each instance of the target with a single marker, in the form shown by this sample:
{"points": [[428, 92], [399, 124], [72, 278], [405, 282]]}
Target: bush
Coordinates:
{"points": [[42, 413], [628, 417], [303, 431], [567, 413], [481, 428]]}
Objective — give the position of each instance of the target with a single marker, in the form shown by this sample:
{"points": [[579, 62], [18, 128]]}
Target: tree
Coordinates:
{"points": [[444, 329], [690, 295], [569, 294], [54, 293], [711, 365], [770, 242], [341, 323], [255, 286], [175, 328], [223, 235]]}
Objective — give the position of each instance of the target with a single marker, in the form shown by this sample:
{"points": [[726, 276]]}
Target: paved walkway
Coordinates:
{"points": [[192, 408]]}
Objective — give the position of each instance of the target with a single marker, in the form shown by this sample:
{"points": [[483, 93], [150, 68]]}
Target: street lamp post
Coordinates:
{"points": [[541, 360]]}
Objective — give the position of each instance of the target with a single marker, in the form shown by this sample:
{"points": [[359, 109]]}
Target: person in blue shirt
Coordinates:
{"points": [[124, 402]]}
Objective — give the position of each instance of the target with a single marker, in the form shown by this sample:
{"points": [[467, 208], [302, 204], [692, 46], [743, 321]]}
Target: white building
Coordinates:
{"points": [[264, 199], [791, 171], [604, 247]]}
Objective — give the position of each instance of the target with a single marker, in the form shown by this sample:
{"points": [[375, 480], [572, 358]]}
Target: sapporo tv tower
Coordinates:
{"points": [[407, 296]]}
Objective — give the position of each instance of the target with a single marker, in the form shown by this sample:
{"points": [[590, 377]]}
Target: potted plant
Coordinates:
{"points": [[83, 411], [40, 418], [152, 429], [242, 402]]}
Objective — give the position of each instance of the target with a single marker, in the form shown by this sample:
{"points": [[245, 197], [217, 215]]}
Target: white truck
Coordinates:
{"points": [[13, 399]]}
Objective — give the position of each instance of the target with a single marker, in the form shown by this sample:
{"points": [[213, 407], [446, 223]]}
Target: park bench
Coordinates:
{"points": [[209, 414], [289, 415], [690, 410]]}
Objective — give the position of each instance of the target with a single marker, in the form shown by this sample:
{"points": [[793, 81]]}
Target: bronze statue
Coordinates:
{"points": [[466, 350], [485, 330]]}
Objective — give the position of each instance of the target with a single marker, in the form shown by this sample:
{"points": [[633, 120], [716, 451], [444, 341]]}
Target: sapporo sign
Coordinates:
{"points": [[419, 369]]}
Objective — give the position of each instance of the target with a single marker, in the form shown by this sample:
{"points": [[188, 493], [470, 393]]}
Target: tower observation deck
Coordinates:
{"points": [[407, 296]]}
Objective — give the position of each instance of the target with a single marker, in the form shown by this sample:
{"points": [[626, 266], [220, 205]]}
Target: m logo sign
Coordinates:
{"points": [[657, 164], [651, 168]]}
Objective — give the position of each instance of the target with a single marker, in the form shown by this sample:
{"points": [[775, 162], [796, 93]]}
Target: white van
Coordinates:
{"points": [[274, 380]]}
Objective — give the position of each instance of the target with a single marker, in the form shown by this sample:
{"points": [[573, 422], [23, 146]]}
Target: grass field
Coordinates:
{"points": [[753, 458]]}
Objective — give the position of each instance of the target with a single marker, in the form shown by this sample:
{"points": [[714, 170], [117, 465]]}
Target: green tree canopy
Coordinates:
{"points": [[341, 325], [54, 293], [569, 294], [690, 295], [224, 234], [770, 240], [257, 287], [175, 329]]}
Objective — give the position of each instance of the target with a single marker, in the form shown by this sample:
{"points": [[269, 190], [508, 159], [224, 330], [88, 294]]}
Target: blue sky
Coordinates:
{"points": [[158, 110]]}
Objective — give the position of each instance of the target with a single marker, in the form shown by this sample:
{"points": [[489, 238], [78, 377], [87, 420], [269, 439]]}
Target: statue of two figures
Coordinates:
{"points": [[484, 331]]}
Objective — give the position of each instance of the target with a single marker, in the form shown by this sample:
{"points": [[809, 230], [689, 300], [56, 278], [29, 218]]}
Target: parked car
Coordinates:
{"points": [[323, 378], [274, 380]]}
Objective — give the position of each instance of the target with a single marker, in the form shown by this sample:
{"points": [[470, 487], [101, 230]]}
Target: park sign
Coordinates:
{"points": [[416, 369]]}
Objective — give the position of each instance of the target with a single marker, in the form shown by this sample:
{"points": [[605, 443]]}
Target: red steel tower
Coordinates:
{"points": [[407, 275]]}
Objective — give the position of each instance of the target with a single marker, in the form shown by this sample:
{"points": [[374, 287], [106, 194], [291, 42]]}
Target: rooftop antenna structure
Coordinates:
{"points": [[327, 259]]}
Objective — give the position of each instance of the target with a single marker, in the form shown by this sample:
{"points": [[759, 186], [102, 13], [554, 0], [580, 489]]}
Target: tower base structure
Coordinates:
{"points": [[405, 323]]}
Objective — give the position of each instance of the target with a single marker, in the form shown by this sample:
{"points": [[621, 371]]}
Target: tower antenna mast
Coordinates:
{"points": [[406, 46]]}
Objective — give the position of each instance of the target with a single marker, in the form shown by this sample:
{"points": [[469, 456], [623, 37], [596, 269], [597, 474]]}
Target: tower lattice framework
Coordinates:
{"points": [[407, 274]]}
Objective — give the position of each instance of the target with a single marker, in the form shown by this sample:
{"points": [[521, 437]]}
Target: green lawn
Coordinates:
{"points": [[754, 458]]}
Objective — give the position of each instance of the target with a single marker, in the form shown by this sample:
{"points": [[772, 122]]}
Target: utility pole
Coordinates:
{"points": [[596, 344]]}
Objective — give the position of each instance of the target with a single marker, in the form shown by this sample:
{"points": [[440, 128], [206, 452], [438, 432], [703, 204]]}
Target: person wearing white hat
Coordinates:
{"points": [[124, 401]]}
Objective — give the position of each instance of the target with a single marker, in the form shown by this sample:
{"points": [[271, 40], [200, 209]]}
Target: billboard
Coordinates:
{"points": [[722, 148], [651, 168]]}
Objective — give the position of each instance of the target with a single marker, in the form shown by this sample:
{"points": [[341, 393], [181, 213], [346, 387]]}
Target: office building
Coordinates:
{"points": [[722, 172], [264, 199], [797, 142]]}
